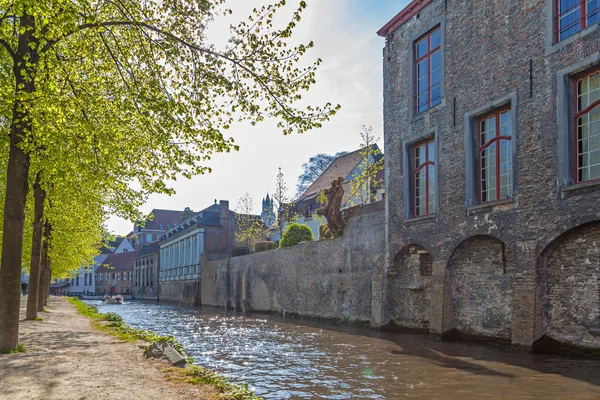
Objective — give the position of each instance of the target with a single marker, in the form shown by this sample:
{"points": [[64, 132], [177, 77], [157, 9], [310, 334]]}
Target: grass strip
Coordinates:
{"points": [[113, 324]]}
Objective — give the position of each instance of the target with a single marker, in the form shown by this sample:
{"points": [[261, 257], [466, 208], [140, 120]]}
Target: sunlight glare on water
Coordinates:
{"points": [[293, 359]]}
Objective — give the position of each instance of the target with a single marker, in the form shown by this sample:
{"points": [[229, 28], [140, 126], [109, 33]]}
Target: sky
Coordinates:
{"points": [[344, 34]]}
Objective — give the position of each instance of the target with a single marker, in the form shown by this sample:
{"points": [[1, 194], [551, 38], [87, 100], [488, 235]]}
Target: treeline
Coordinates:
{"points": [[103, 103]]}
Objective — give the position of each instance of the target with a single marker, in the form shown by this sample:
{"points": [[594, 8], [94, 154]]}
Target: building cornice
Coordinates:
{"points": [[408, 12]]}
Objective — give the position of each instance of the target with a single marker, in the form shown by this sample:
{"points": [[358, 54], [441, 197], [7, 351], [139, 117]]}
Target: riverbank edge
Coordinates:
{"points": [[113, 324]]}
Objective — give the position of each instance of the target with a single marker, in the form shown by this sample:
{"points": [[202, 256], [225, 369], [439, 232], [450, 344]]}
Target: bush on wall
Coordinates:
{"points": [[296, 233], [264, 246]]}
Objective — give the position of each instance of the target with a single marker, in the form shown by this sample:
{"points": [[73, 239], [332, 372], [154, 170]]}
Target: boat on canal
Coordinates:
{"points": [[113, 299]]}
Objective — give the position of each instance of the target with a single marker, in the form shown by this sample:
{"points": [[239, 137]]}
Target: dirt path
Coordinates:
{"points": [[67, 359]]}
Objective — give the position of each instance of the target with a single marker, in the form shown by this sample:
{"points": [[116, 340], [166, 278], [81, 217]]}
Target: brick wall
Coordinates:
{"points": [[481, 288], [572, 288], [329, 279], [493, 50], [409, 282]]}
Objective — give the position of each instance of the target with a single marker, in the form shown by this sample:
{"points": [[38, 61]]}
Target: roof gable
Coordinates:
{"points": [[118, 262], [163, 219], [342, 166]]}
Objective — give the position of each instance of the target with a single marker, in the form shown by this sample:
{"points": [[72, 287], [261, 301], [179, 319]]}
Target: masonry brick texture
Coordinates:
{"points": [[519, 270], [328, 279]]}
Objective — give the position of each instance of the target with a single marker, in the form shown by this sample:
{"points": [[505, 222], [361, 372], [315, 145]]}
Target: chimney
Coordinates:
{"points": [[223, 209]]}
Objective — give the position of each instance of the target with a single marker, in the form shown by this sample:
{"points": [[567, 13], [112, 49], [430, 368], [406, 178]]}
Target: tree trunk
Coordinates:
{"points": [[46, 275], [24, 64], [47, 292], [35, 276]]}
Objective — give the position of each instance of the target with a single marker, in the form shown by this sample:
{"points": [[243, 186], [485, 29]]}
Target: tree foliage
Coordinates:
{"points": [[111, 100], [312, 169], [365, 181], [283, 203], [296, 233], [250, 228]]}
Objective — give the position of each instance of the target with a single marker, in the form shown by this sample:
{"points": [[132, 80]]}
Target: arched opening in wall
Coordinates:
{"points": [[569, 292], [408, 294], [480, 290]]}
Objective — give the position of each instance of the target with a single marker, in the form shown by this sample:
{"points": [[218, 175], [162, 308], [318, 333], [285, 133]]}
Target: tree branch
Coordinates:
{"points": [[8, 48]]}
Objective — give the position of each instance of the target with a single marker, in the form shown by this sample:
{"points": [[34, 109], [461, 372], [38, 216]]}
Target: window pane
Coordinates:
{"points": [[431, 150], [593, 88], [569, 18], [435, 95], [506, 172], [418, 160], [488, 130], [422, 48], [431, 172], [588, 145], [435, 40], [488, 173], [420, 193], [505, 125], [592, 12]]}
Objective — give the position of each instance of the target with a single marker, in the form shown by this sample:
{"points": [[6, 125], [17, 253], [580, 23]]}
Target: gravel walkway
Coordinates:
{"points": [[67, 359]]}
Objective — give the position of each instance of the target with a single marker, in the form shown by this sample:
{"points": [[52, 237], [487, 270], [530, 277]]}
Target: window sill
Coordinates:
{"points": [[489, 205], [423, 114], [554, 47], [580, 188], [420, 220]]}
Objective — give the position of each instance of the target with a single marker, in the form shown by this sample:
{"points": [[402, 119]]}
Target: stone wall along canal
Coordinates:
{"points": [[288, 359]]}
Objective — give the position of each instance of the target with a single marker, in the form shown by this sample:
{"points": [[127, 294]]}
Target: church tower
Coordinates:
{"points": [[267, 215]]}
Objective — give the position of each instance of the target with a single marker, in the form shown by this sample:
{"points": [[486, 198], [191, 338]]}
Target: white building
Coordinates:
{"points": [[181, 252], [83, 280]]}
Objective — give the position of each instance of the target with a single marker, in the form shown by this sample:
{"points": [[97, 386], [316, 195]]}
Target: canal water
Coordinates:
{"points": [[293, 359]]}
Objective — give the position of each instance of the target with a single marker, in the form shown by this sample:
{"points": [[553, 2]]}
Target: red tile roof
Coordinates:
{"points": [[118, 262], [407, 13]]}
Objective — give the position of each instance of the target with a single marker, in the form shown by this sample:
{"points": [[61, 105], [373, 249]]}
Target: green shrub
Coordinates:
{"points": [[296, 233], [264, 246]]}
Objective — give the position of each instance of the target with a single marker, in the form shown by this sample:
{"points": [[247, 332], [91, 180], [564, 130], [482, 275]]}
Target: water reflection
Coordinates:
{"points": [[289, 359]]}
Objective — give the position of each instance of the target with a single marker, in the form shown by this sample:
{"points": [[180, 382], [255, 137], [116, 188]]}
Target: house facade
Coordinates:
{"points": [[208, 234], [492, 143], [348, 166], [153, 229], [115, 274], [145, 272]]}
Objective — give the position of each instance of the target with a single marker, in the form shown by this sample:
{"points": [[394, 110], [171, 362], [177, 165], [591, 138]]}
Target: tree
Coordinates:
{"points": [[135, 92], [250, 228], [365, 182], [296, 233], [313, 169], [285, 207]]}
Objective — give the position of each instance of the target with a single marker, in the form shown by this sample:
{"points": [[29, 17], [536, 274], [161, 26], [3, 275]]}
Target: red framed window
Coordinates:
{"points": [[495, 156], [428, 71], [572, 16], [587, 128], [424, 178]]}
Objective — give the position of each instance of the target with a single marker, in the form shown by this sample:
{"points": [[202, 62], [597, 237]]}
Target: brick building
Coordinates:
{"points": [[492, 143], [115, 274], [205, 235]]}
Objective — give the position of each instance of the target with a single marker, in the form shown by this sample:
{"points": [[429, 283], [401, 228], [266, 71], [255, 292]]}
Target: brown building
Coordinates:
{"points": [[115, 274], [153, 229], [145, 272], [492, 143]]}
